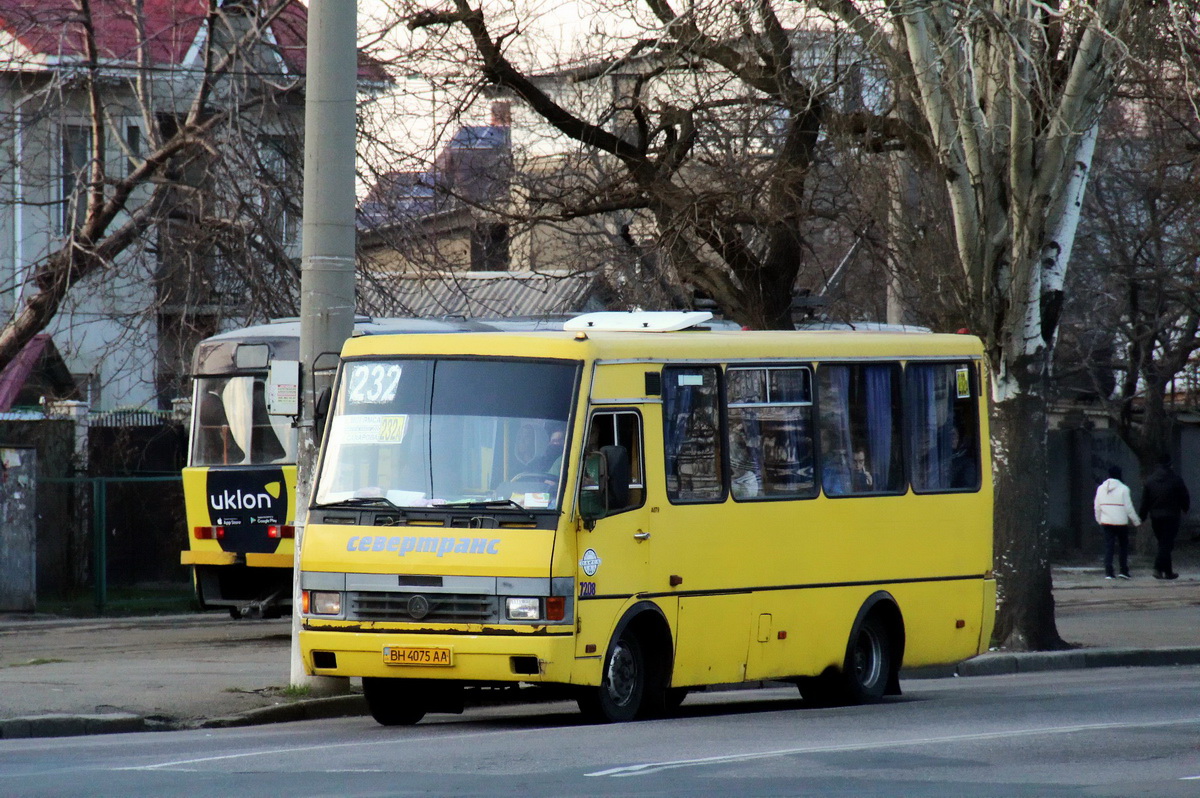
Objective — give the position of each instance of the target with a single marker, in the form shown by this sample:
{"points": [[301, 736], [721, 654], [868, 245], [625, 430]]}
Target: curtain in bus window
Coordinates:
{"points": [[881, 427], [836, 444], [239, 408], [860, 429], [691, 426], [925, 454]]}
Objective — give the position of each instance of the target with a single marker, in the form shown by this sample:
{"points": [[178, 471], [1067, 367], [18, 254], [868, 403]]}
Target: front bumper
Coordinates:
{"points": [[493, 657]]}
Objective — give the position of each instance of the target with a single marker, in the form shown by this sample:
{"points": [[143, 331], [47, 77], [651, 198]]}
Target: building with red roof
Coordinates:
{"points": [[226, 206]]}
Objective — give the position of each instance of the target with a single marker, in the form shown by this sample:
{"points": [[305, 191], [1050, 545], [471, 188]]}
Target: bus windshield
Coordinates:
{"points": [[232, 426], [423, 433]]}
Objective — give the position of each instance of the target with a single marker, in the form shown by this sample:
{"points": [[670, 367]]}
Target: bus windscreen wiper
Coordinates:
{"points": [[493, 503]]}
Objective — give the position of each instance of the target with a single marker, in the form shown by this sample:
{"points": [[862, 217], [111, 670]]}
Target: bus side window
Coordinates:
{"points": [[942, 420], [860, 429], [621, 431], [692, 434], [770, 432]]}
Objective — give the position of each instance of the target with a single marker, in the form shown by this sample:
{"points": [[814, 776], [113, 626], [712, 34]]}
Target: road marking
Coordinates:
{"points": [[183, 764], [657, 767]]}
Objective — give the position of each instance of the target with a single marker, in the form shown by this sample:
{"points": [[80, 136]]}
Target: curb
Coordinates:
{"points": [[71, 725], [341, 706], [996, 664], [123, 722]]}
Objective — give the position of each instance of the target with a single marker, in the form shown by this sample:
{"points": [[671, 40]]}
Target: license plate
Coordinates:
{"points": [[416, 655]]}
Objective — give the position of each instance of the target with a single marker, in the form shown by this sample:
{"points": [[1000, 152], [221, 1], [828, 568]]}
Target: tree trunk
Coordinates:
{"points": [[1025, 612]]}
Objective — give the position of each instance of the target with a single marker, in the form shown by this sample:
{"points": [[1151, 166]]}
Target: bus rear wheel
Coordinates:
{"points": [[865, 671], [392, 702], [622, 688], [868, 662]]}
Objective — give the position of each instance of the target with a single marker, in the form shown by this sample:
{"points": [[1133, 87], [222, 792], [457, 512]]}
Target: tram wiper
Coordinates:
{"points": [[363, 501], [492, 504]]}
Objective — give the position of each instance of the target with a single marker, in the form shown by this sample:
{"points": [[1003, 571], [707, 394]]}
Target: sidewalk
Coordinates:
{"points": [[84, 676], [1114, 622]]}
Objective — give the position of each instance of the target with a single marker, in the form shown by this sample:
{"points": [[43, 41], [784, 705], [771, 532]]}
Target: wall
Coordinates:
{"points": [[63, 551]]}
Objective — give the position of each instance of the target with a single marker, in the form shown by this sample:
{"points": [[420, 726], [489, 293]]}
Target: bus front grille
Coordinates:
{"points": [[417, 607]]}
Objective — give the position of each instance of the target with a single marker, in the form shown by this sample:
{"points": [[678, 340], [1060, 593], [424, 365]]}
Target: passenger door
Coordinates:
{"points": [[612, 554]]}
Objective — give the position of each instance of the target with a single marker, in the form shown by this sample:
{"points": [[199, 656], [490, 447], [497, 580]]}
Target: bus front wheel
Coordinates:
{"points": [[623, 685], [392, 702]]}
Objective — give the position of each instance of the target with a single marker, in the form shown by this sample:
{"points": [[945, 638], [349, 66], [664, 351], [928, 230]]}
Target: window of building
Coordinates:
{"points": [[133, 148], [88, 385], [76, 164], [489, 248], [692, 434], [274, 191], [860, 428], [942, 420], [770, 433]]}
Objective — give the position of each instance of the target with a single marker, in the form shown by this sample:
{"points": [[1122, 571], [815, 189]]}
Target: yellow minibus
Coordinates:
{"points": [[639, 505]]}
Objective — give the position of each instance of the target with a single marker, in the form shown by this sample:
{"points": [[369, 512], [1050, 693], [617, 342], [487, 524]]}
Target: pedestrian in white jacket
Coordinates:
{"points": [[1114, 513]]}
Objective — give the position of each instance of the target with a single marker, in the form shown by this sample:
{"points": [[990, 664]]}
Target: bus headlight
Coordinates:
{"points": [[323, 602], [523, 609]]}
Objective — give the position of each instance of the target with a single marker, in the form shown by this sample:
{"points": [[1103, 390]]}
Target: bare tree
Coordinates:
{"points": [[1009, 103], [1134, 318], [693, 153], [164, 181]]}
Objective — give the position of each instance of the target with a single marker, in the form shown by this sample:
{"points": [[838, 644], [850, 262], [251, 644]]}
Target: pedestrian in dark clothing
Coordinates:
{"points": [[1165, 499]]}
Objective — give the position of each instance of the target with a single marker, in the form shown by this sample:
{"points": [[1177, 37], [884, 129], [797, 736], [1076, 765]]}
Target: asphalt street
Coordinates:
{"points": [[63, 677]]}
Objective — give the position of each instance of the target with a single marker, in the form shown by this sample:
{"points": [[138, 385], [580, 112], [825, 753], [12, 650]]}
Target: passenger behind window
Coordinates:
{"points": [[861, 480], [216, 439], [835, 466], [746, 458], [962, 461]]}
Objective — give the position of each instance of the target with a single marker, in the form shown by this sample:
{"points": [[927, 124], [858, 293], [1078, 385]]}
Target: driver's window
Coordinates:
{"points": [[622, 429]]}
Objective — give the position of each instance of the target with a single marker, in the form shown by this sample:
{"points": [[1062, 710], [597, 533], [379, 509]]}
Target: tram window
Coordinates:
{"points": [[215, 441], [233, 427]]}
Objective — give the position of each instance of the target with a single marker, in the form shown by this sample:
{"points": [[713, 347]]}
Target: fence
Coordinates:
{"points": [[102, 528], [110, 507]]}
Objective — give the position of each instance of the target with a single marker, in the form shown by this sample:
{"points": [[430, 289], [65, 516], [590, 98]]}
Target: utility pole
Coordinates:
{"points": [[327, 250]]}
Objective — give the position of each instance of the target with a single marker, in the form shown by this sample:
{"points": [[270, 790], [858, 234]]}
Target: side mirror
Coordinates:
{"points": [[605, 484], [593, 492], [321, 412]]}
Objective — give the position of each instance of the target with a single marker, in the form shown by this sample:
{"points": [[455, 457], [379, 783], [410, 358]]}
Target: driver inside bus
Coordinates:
{"points": [[550, 460]]}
